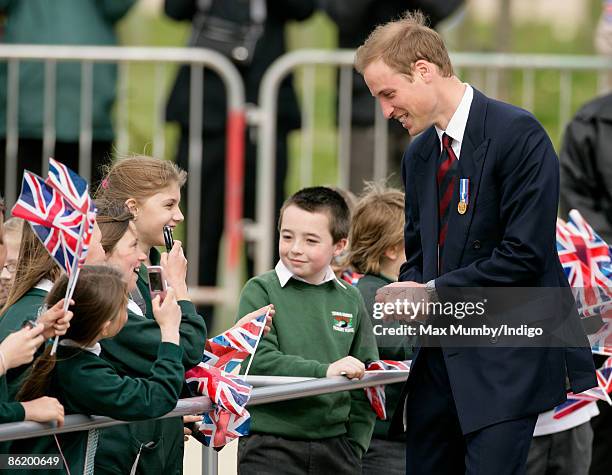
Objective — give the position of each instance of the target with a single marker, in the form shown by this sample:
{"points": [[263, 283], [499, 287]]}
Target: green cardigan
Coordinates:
{"points": [[10, 411], [87, 384], [132, 352]]}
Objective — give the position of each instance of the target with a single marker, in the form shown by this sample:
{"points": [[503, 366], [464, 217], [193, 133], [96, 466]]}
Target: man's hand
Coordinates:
{"points": [[403, 301]]}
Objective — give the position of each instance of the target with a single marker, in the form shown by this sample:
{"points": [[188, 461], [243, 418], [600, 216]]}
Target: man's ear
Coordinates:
{"points": [[130, 204], [424, 69], [340, 246]]}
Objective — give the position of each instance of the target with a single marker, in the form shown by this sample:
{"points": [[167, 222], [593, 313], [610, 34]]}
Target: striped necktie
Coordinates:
{"points": [[445, 177]]}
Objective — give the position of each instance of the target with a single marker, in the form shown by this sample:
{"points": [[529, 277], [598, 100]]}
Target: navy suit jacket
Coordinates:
{"points": [[505, 239]]}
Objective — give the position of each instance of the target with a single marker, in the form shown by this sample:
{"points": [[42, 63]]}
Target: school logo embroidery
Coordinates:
{"points": [[343, 322]]}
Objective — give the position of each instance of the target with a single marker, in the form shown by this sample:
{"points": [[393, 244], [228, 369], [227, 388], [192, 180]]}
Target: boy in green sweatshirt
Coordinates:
{"points": [[321, 328]]}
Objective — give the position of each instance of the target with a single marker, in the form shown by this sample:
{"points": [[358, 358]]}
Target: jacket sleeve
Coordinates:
{"points": [[268, 358], [362, 418], [412, 269], [9, 411], [579, 183], [124, 397], [114, 10], [134, 349]]}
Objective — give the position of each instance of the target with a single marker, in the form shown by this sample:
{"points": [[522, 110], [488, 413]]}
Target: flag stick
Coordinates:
{"points": [[258, 340], [74, 274]]}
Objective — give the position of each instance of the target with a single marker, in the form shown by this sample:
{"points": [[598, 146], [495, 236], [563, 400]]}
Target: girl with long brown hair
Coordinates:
{"points": [[18, 349], [158, 444], [85, 383], [34, 277]]}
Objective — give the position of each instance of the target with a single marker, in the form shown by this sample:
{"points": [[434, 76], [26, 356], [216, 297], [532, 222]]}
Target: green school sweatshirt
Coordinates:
{"points": [[26, 308], [87, 384], [132, 352], [10, 411], [314, 326], [389, 348]]}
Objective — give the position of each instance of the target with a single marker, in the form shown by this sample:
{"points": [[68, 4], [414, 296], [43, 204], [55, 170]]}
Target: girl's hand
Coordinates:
{"points": [[55, 320], [44, 409], [261, 311], [187, 420], [174, 264], [168, 316], [19, 347]]}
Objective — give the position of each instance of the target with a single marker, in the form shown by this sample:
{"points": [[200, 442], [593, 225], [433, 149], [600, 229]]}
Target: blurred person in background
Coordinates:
{"points": [[586, 185], [60, 22], [355, 20], [252, 34], [12, 240]]}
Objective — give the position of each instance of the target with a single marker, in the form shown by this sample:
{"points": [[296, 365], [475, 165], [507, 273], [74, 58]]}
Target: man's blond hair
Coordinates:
{"points": [[401, 43], [377, 225]]}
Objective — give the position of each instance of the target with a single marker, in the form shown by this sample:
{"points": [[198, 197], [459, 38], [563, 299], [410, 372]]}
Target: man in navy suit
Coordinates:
{"points": [[482, 186]]}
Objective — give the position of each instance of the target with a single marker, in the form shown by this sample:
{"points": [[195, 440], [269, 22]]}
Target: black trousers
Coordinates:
{"points": [[212, 206], [435, 444], [263, 454], [29, 157]]}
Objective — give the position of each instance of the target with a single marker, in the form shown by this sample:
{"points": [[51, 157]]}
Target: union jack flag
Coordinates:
{"points": [[220, 427], [229, 419], [376, 394], [227, 350], [601, 341], [586, 261], [75, 190], [226, 390], [57, 224], [71, 186], [351, 277], [601, 392]]}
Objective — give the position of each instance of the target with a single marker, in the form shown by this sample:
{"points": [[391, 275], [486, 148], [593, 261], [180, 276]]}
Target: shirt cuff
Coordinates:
{"points": [[432, 294]]}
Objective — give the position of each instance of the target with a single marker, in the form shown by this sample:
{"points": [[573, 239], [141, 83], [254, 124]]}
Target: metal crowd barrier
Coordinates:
{"points": [[198, 59], [267, 389], [489, 72]]}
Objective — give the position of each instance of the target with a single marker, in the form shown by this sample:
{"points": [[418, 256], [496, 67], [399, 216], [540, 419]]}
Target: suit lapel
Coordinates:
{"points": [[471, 162], [427, 191]]}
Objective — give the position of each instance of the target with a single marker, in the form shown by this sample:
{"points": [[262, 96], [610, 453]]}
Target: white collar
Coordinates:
{"points": [[285, 274], [133, 306], [456, 125], [96, 349], [44, 284]]}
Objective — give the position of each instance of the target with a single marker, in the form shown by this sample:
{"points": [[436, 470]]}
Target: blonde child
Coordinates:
{"points": [[377, 251]]}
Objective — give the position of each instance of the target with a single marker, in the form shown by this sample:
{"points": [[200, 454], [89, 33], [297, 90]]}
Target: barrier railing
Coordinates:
{"points": [[277, 388], [198, 59], [488, 72]]}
